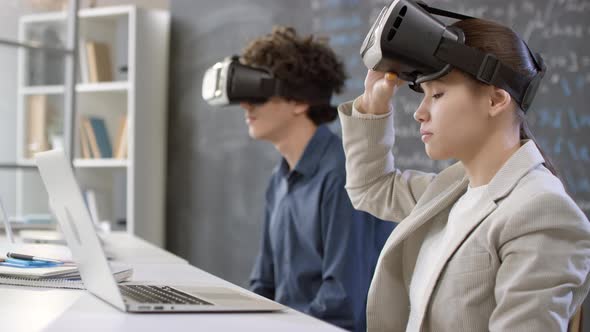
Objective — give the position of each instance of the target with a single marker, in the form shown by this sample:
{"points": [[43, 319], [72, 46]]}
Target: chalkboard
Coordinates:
{"points": [[217, 175]]}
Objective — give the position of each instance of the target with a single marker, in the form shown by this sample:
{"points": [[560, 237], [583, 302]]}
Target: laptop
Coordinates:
{"points": [[74, 219]]}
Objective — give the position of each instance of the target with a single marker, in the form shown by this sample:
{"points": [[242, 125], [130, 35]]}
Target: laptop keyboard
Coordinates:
{"points": [[159, 294]]}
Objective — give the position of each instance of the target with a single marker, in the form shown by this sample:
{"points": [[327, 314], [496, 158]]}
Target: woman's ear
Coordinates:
{"points": [[499, 101]]}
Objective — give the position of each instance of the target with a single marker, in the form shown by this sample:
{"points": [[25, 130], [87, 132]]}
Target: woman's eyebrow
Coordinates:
{"points": [[430, 84]]}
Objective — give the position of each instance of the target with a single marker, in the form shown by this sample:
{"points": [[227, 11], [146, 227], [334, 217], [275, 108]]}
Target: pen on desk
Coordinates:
{"points": [[32, 258]]}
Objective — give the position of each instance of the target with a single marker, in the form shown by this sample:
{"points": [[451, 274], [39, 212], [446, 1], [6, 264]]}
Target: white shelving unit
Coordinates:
{"points": [[80, 87], [129, 189]]}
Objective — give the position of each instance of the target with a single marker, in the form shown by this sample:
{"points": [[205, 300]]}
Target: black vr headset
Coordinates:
{"points": [[231, 82], [407, 40]]}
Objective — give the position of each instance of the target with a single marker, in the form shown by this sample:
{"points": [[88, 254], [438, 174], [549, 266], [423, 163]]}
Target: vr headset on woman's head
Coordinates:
{"points": [[231, 82], [408, 40]]}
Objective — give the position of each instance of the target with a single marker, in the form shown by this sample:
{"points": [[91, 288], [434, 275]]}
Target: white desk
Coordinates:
{"points": [[126, 248], [131, 249], [35, 309]]}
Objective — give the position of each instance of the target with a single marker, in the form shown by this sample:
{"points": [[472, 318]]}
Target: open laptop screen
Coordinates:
{"points": [[73, 217]]}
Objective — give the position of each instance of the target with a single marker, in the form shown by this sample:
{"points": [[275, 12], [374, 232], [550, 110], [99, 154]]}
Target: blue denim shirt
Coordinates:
{"points": [[318, 254]]}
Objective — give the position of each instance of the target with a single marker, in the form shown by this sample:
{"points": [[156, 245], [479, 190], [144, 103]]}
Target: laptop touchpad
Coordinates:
{"points": [[215, 294]]}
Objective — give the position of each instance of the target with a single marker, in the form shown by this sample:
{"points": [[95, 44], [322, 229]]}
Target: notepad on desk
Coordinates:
{"points": [[53, 277], [37, 272]]}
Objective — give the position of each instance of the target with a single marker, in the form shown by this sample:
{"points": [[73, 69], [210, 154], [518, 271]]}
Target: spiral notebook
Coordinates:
{"points": [[53, 277]]}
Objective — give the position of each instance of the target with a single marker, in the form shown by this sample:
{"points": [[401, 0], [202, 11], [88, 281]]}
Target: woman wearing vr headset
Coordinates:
{"points": [[492, 242], [317, 253]]}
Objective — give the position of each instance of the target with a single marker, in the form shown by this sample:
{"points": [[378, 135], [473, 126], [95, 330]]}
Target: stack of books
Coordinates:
{"points": [[61, 276]]}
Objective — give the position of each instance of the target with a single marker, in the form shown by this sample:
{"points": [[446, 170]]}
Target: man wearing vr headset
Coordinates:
{"points": [[317, 253], [493, 242]]}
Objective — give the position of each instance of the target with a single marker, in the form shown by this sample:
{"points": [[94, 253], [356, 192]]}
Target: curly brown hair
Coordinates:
{"points": [[301, 63]]}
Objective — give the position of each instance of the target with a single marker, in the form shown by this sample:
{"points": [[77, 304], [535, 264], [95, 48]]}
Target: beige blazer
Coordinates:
{"points": [[520, 264]]}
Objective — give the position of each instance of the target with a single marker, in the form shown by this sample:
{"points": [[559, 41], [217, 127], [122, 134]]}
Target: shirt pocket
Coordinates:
{"points": [[469, 263]]}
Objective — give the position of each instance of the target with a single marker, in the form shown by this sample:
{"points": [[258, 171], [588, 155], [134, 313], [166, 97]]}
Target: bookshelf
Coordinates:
{"points": [[121, 64]]}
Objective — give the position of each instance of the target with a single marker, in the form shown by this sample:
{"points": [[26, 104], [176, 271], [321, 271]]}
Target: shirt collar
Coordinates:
{"points": [[310, 159]]}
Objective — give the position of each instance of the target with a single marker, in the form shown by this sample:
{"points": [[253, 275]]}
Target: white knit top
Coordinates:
{"points": [[439, 235]]}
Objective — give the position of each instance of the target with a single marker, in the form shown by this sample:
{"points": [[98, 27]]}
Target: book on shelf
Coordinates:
{"points": [[121, 139], [90, 137], [98, 56], [101, 134], [84, 143], [37, 139], [83, 61]]}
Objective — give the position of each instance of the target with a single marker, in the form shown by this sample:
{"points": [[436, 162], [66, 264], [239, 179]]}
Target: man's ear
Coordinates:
{"points": [[300, 108], [500, 101]]}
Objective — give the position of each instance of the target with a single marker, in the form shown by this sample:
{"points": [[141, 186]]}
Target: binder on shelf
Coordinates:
{"points": [[100, 67], [37, 140]]}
